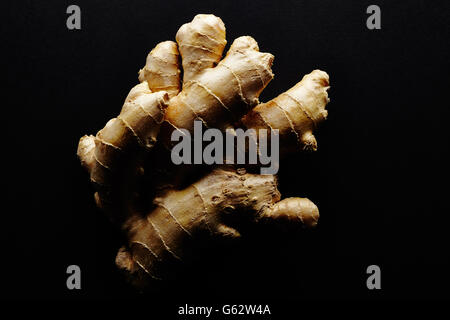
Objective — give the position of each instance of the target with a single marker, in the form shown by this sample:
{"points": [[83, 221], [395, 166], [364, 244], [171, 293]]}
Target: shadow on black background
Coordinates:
{"points": [[379, 178]]}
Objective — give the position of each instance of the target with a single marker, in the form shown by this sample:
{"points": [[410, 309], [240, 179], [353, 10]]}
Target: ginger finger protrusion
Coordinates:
{"points": [[296, 112], [111, 157], [301, 211], [201, 43], [162, 69]]}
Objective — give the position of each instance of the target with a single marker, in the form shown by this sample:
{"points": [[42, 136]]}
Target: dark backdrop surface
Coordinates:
{"points": [[379, 178]]}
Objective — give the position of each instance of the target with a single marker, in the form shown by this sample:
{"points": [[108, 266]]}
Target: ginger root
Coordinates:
{"points": [[161, 225]]}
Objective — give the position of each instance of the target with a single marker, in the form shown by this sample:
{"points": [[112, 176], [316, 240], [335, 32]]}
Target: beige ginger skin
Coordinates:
{"points": [[181, 82]]}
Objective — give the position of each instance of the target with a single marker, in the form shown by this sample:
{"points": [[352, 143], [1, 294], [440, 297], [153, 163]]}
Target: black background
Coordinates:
{"points": [[379, 178]]}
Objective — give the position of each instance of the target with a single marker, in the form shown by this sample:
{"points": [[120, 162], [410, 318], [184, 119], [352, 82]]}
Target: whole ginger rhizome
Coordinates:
{"points": [[144, 190]]}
